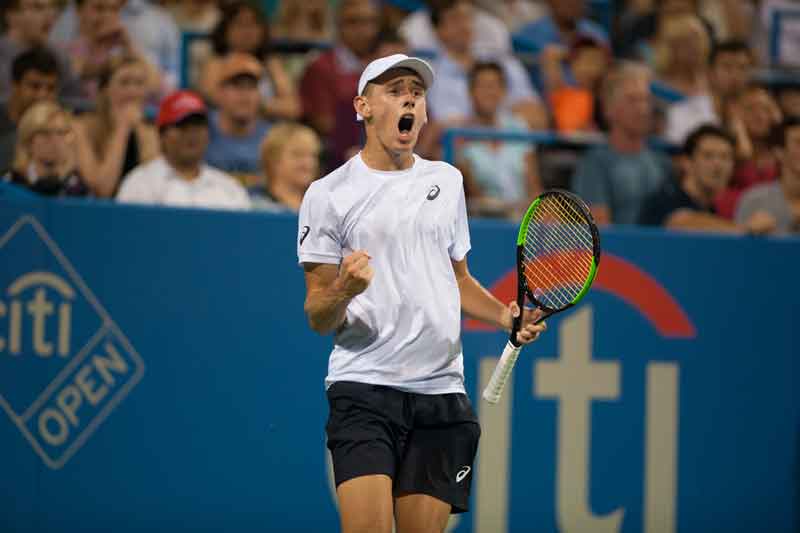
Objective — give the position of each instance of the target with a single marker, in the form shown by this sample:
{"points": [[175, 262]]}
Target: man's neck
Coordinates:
{"points": [[286, 194], [378, 157], [236, 128], [625, 142], [486, 120], [188, 171], [463, 58], [692, 187]]}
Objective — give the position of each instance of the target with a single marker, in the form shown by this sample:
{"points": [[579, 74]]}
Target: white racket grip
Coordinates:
{"points": [[494, 389]]}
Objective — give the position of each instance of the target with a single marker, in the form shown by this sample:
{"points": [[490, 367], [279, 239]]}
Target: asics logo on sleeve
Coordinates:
{"points": [[434, 192], [303, 236], [464, 472]]}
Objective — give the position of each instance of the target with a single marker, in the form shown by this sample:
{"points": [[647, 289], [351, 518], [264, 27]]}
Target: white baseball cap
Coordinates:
{"points": [[381, 65]]}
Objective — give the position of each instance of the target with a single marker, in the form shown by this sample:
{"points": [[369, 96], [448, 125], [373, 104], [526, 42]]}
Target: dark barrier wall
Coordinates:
{"points": [[157, 373]]}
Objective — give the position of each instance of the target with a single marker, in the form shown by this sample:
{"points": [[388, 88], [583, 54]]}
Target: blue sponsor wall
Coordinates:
{"points": [[157, 373]]}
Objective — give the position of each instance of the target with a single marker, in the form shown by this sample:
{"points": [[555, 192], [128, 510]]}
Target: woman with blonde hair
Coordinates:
{"points": [[680, 54], [115, 138], [44, 157], [290, 161]]}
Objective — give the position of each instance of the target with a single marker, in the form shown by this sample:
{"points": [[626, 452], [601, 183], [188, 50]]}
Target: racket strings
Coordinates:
{"points": [[558, 251]]}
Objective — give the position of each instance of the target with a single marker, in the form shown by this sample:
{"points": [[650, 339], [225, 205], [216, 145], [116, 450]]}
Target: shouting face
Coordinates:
{"points": [[393, 107]]}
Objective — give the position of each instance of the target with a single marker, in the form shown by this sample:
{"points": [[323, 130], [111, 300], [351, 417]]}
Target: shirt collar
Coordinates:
{"points": [[347, 59]]}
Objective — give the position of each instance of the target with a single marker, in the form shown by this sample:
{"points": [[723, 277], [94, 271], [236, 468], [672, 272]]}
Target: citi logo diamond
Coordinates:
{"points": [[64, 364]]}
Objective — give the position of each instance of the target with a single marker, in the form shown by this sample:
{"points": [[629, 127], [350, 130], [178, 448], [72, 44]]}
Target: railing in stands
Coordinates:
{"points": [[542, 138]]}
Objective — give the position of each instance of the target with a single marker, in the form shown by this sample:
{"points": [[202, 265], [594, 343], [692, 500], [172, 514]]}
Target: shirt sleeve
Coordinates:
{"points": [[747, 205], [461, 242], [136, 189], [318, 239], [590, 181]]}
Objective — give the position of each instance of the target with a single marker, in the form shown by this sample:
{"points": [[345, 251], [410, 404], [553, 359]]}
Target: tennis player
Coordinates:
{"points": [[383, 242]]}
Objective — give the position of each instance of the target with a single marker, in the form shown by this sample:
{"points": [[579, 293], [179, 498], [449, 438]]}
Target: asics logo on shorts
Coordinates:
{"points": [[434, 192], [464, 472]]}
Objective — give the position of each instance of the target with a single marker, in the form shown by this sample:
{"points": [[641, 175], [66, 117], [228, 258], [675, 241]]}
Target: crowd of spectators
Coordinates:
{"points": [[675, 113]]}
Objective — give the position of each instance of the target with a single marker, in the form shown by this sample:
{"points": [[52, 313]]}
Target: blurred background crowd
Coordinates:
{"points": [[678, 113]]}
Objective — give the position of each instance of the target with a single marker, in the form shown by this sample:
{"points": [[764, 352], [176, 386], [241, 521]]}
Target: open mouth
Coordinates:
{"points": [[405, 123]]}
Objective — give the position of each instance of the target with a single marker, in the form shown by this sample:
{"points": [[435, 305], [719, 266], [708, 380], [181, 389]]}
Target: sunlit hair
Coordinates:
{"points": [[276, 140], [38, 118]]}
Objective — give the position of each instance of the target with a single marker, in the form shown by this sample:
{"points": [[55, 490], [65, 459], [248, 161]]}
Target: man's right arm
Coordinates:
{"points": [[330, 288]]}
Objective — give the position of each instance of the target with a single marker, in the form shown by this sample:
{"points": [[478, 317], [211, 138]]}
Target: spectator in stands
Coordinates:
{"points": [[150, 29], [236, 128], [448, 99], [501, 178], [34, 77], [723, 19], [754, 114], [688, 204], [115, 138], [615, 179], [680, 55], [44, 160], [573, 102], [779, 201], [731, 67], [566, 22], [490, 37], [180, 178], [27, 25], [303, 21], [788, 96], [102, 37], [290, 159], [331, 81], [243, 29]]}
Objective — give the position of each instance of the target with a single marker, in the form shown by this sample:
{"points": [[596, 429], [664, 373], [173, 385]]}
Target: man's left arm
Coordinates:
{"points": [[480, 304]]}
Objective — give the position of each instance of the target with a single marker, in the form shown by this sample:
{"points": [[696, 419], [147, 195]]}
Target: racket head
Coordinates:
{"points": [[558, 251]]}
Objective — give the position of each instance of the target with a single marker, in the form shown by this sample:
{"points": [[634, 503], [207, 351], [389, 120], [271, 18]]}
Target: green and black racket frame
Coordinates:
{"points": [[558, 254]]}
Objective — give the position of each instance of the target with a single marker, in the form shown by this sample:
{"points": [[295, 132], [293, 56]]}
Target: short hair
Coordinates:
{"points": [[437, 9], [620, 74], [706, 130], [731, 46], [484, 66], [219, 35], [35, 119], [779, 132], [39, 59], [275, 141]]}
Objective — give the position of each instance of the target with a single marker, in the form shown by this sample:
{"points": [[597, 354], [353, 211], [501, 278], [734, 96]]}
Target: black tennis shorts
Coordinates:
{"points": [[425, 442]]}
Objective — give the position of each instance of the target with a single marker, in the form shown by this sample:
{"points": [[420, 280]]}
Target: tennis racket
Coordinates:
{"points": [[558, 252]]}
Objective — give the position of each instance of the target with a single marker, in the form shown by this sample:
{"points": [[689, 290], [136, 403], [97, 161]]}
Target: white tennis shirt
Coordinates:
{"points": [[404, 330]]}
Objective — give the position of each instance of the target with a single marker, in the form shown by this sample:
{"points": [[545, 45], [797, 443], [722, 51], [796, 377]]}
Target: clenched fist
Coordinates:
{"points": [[355, 273]]}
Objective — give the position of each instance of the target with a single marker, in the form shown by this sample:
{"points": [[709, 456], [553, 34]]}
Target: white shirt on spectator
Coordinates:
{"points": [[491, 36], [157, 182], [686, 116]]}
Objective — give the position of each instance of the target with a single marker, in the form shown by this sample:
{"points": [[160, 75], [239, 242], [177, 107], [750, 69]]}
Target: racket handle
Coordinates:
{"points": [[494, 389]]}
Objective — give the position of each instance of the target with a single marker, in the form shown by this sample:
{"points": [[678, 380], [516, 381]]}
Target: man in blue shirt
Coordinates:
{"points": [[236, 128], [565, 22], [615, 179]]}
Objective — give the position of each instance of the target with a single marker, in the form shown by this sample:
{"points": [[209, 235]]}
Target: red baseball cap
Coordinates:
{"points": [[178, 106]]}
